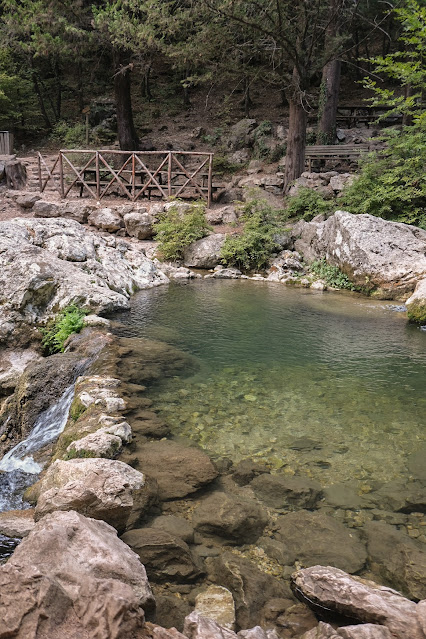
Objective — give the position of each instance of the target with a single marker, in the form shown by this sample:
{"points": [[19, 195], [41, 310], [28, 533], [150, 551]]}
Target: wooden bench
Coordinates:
{"points": [[334, 152]]}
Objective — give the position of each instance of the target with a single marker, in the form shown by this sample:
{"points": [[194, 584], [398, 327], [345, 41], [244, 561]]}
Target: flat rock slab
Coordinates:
{"points": [[178, 470]]}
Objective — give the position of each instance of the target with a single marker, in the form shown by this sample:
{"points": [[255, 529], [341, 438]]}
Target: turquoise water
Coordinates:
{"points": [[331, 385]]}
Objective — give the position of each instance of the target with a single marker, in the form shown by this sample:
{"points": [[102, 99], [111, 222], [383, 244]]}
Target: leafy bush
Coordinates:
{"points": [[260, 238], [223, 166], [72, 136], [179, 227], [332, 275], [307, 204], [391, 184], [67, 322]]}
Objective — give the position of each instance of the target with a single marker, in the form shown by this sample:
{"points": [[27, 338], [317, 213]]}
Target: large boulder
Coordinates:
{"points": [[178, 470], [314, 538], [106, 219], [204, 253], [416, 303], [239, 520], [139, 224], [373, 252], [87, 564], [332, 591], [241, 134], [48, 264], [100, 488], [165, 556]]}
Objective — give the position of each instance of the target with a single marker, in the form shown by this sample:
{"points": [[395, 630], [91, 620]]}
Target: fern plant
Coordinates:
{"points": [[68, 321]]}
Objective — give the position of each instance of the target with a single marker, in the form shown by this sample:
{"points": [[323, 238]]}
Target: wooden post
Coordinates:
{"points": [[39, 173], [209, 185], [169, 175], [133, 177], [61, 175], [98, 179]]}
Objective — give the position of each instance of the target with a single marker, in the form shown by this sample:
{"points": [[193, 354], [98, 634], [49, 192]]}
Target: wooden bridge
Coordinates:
{"points": [[131, 174]]}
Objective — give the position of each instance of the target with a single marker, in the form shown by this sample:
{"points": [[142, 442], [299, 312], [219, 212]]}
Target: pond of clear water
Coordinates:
{"points": [[328, 385]]}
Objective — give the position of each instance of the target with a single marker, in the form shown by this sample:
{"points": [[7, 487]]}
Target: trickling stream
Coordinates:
{"points": [[322, 384], [18, 467]]}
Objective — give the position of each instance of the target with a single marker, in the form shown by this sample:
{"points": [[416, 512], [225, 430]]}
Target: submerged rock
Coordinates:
{"points": [[313, 538], [165, 556], [239, 520], [278, 491], [416, 304], [217, 603], [177, 469]]}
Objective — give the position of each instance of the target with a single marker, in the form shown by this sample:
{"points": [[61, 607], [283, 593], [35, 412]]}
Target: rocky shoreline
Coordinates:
{"points": [[193, 523]]}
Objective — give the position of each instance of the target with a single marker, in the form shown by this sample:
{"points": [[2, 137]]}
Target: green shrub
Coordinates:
{"points": [[178, 228], [223, 166], [67, 322], [260, 238], [332, 275], [307, 204], [71, 135], [391, 183]]}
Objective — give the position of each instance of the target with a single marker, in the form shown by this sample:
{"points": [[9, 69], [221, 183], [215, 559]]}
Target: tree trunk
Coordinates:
{"points": [[329, 98], [296, 141], [127, 136], [16, 175]]}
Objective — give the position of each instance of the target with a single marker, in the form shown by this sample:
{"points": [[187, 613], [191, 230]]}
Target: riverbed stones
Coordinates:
{"points": [[165, 556], [396, 559], [104, 579], [217, 603], [278, 491], [177, 469], [100, 488], [48, 264], [239, 520], [204, 253], [336, 592], [388, 256], [363, 631], [250, 587], [315, 538]]}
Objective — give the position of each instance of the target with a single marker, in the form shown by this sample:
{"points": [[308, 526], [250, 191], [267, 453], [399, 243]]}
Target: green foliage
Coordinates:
{"points": [[392, 183], [332, 275], [307, 204], [223, 166], [260, 238], [179, 227], [71, 135], [214, 137], [76, 410], [79, 454], [67, 322]]}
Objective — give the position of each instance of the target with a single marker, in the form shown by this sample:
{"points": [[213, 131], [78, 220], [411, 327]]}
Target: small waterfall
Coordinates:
{"points": [[18, 465]]}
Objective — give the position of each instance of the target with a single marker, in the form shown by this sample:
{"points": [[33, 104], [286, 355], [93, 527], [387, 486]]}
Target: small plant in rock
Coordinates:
{"points": [[332, 275], [79, 454], [307, 204], [260, 238], [179, 227], [223, 166], [68, 321]]}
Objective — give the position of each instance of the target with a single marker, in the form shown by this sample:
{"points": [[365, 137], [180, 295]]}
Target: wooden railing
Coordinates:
{"points": [[132, 174]]}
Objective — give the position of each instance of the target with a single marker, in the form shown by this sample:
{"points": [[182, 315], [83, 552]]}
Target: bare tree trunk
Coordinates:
{"points": [[296, 141], [329, 99], [127, 135]]}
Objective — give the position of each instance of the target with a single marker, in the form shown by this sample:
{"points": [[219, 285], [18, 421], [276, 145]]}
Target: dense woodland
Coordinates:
{"points": [[58, 56]]}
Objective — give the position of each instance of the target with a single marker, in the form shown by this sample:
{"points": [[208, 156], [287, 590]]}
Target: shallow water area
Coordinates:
{"points": [[329, 385]]}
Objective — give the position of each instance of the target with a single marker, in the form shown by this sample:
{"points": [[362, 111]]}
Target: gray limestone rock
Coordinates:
{"points": [[278, 491], [204, 253]]}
